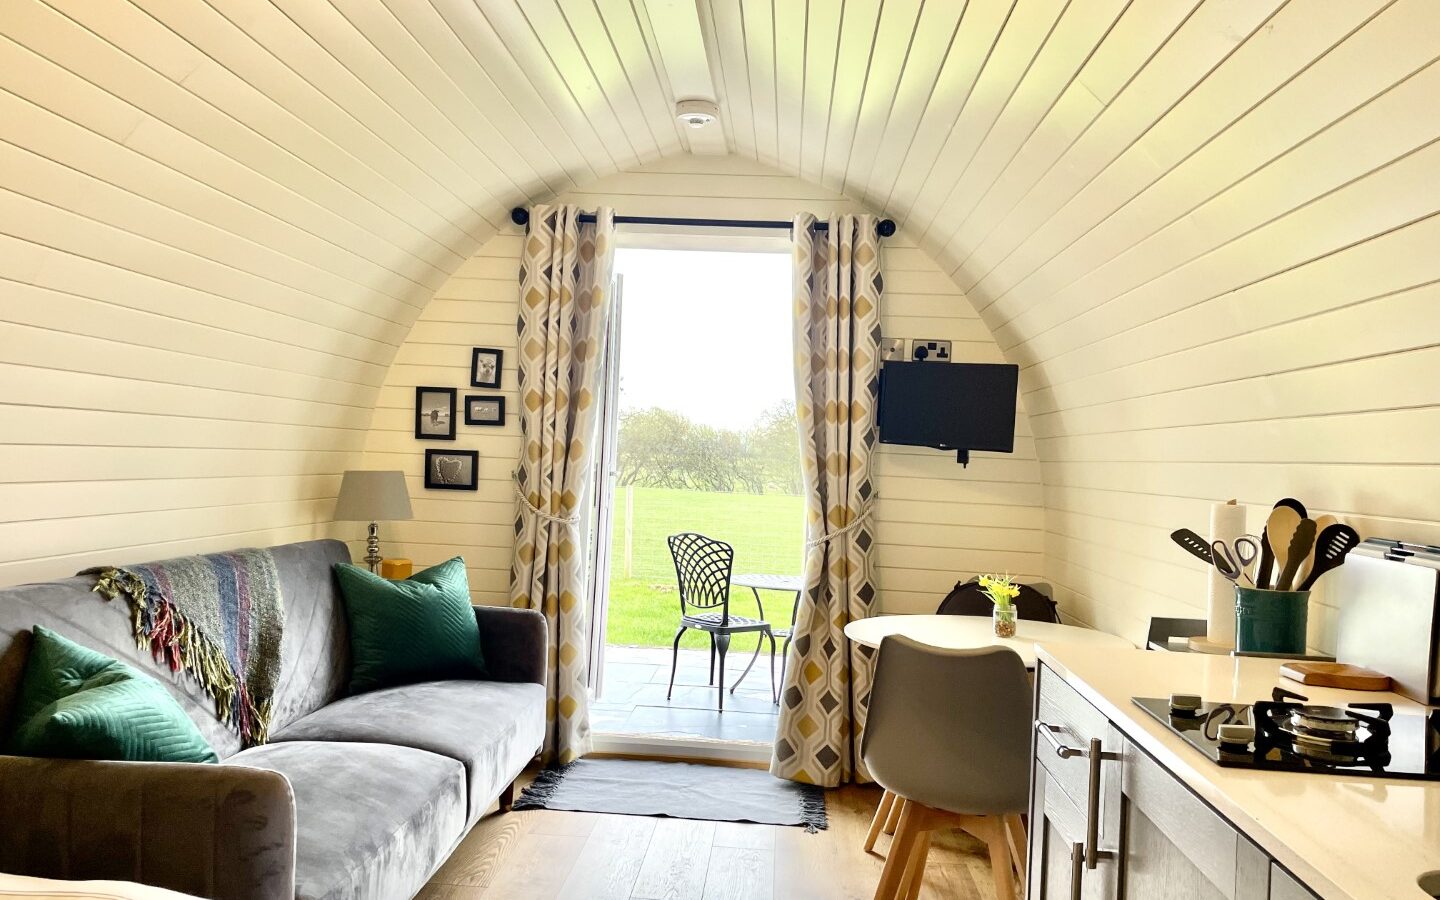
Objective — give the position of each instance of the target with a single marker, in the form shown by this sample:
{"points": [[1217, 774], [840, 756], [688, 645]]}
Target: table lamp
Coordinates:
{"points": [[372, 496]]}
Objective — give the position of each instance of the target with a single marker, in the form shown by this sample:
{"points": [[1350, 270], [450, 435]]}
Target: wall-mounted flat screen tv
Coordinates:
{"points": [[949, 406]]}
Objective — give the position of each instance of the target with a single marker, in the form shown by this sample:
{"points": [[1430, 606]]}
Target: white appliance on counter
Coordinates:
{"points": [[1388, 599]]}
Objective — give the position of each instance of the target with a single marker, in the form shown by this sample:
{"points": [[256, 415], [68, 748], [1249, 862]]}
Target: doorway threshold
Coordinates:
{"points": [[750, 754]]}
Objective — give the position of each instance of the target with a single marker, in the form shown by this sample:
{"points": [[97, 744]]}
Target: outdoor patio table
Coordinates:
{"points": [[761, 582]]}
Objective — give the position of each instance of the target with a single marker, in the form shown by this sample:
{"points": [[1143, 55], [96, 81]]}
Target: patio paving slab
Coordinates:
{"points": [[633, 699]]}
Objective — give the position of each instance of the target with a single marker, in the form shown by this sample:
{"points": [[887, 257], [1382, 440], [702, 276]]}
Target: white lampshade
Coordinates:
{"points": [[373, 496]]}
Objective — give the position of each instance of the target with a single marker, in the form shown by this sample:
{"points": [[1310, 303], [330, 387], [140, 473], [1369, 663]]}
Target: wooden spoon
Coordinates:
{"points": [[1301, 540], [1279, 529]]}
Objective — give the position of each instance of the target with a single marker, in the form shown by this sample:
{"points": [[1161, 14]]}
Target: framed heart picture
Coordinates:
{"points": [[452, 470]]}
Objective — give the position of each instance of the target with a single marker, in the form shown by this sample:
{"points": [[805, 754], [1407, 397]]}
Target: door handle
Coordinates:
{"points": [[1048, 732], [1093, 853], [1077, 870], [1095, 753]]}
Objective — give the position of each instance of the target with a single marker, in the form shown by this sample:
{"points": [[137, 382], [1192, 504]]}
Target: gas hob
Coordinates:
{"points": [[1288, 734]]}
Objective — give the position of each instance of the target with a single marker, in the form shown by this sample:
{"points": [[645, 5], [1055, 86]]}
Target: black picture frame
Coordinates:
{"points": [[437, 478], [479, 367], [471, 418], [427, 431]]}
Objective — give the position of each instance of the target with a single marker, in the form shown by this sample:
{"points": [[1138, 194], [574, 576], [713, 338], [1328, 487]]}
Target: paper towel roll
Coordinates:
{"points": [[1227, 522]]}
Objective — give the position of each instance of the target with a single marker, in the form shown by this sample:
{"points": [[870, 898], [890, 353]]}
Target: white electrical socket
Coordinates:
{"points": [[922, 350], [892, 349]]}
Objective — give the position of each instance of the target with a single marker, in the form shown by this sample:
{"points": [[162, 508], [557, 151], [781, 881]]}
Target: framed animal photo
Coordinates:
{"points": [[435, 414], [452, 470], [485, 367], [480, 410]]}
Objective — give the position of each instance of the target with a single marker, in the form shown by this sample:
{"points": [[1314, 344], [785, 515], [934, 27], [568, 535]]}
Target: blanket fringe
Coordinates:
{"points": [[173, 639]]}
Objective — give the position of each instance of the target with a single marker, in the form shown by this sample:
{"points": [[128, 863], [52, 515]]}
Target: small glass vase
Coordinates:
{"points": [[1004, 620]]}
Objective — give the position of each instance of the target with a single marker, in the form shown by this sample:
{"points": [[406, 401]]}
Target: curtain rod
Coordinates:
{"points": [[521, 216]]}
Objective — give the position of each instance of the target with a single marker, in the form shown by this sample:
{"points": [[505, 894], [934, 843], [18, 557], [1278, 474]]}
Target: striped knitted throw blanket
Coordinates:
{"points": [[218, 618]]}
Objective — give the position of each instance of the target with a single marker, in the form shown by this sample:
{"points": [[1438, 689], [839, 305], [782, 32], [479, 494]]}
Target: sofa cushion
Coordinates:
{"points": [[78, 704], [372, 820], [492, 728], [420, 629]]}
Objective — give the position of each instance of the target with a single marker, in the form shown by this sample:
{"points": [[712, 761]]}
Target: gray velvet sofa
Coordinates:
{"points": [[353, 797]]}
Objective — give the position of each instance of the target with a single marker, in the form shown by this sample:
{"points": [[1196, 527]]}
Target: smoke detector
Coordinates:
{"points": [[696, 113]]}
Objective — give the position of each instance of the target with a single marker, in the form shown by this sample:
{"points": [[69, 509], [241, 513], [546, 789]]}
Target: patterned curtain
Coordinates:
{"points": [[837, 376], [564, 309]]}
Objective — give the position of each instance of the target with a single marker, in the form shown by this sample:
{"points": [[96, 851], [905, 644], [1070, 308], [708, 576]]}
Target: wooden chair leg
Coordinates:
{"points": [[891, 879], [894, 818], [915, 868], [507, 798], [1000, 861], [1015, 834], [877, 824]]}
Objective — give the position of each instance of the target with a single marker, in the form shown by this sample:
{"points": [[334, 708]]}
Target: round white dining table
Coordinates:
{"points": [[974, 632]]}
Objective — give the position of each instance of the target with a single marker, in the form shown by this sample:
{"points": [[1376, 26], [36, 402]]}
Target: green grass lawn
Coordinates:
{"points": [[766, 530]]}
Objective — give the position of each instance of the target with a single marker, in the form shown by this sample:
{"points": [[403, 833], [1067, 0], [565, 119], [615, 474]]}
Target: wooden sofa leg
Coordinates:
{"points": [[507, 798]]}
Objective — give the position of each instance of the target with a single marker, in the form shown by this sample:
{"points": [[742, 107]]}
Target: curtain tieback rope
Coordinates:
{"points": [[537, 511], [841, 532]]}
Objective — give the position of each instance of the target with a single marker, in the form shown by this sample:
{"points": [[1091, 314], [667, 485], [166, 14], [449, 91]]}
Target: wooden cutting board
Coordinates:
{"points": [[1336, 675]]}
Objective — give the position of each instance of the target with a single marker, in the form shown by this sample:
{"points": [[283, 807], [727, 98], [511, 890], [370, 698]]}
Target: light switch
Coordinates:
{"points": [[892, 349]]}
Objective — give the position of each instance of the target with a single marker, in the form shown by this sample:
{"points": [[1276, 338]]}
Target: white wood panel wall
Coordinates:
{"points": [[937, 521], [208, 257], [1220, 281]]}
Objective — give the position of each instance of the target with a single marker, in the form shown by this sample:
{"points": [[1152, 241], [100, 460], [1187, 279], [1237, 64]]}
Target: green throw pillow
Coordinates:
{"points": [[76, 703], [419, 629]]}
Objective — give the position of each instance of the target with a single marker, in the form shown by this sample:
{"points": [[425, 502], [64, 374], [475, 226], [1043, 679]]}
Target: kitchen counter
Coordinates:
{"points": [[1346, 837]]}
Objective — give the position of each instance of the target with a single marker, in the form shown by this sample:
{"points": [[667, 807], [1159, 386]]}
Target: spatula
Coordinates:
{"points": [[1301, 540], [1293, 504], [1193, 544], [1330, 549], [1279, 528]]}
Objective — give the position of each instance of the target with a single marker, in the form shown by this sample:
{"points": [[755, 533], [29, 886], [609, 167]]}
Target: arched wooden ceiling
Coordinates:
{"points": [[1187, 220]]}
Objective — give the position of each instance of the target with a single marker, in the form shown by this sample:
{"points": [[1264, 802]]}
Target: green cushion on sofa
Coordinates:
{"points": [[419, 629], [76, 703]]}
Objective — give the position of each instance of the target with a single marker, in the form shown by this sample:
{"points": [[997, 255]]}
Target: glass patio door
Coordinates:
{"points": [[602, 496]]}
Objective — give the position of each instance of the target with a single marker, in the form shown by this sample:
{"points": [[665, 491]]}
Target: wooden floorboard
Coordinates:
{"points": [[546, 855]]}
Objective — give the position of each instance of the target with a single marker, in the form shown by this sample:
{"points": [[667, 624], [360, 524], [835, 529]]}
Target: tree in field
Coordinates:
{"points": [[775, 446], [663, 448]]}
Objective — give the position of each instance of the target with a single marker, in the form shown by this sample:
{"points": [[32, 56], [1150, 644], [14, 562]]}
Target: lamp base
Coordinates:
{"points": [[372, 546]]}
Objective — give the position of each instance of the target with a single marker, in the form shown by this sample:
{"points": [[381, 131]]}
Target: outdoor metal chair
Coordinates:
{"points": [[702, 571]]}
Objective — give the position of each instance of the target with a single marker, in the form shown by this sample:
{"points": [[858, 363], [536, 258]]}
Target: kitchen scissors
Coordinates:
{"points": [[1233, 559]]}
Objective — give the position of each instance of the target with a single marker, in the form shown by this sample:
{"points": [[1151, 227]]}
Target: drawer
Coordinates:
{"points": [[1158, 805], [1071, 721]]}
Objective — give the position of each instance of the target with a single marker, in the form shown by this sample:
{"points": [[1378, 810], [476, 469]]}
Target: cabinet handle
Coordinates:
{"points": [[1090, 850], [1048, 732], [1092, 803], [1077, 870]]}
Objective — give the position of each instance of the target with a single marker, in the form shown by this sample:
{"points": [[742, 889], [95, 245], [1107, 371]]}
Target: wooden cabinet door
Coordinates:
{"points": [[1283, 886], [1174, 845], [1056, 865]]}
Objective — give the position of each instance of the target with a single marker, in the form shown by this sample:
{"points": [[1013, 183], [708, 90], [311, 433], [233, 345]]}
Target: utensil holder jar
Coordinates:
{"points": [[1270, 621]]}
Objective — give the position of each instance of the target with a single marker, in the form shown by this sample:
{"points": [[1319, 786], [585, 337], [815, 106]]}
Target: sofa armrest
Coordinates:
{"points": [[224, 832], [513, 642]]}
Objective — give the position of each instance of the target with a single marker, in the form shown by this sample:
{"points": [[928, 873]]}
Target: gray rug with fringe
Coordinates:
{"points": [[679, 790]]}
